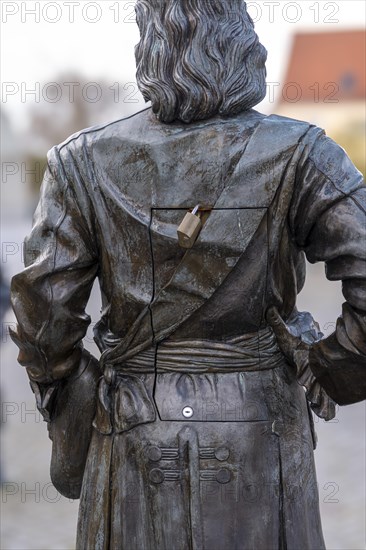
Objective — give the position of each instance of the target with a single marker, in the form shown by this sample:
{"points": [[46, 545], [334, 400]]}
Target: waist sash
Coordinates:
{"points": [[248, 352]]}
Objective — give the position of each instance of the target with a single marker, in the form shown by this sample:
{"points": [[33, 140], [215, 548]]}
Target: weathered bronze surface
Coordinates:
{"points": [[193, 431]]}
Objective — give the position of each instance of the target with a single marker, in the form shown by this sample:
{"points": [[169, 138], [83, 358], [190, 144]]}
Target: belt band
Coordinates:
{"points": [[248, 352]]}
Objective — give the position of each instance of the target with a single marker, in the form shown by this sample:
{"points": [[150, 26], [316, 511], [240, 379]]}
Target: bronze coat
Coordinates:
{"points": [[111, 202]]}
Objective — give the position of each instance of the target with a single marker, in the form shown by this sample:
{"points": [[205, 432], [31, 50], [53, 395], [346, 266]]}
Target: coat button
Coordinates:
{"points": [[222, 453], [154, 453], [223, 476], [187, 412], [156, 476]]}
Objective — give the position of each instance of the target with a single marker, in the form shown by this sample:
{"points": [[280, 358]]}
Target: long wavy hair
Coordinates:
{"points": [[198, 58]]}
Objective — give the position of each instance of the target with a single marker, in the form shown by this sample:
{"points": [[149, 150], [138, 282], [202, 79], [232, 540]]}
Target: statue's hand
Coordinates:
{"points": [[297, 354], [294, 349]]}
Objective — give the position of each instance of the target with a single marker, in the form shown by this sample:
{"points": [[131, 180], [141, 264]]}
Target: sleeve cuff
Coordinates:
{"points": [[341, 373]]}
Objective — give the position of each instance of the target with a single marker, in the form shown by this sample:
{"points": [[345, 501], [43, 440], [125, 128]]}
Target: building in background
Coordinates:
{"points": [[325, 84]]}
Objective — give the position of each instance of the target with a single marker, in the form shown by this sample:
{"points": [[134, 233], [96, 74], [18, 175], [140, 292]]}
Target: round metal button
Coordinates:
{"points": [[187, 412], [156, 476], [222, 453], [223, 476], [154, 453]]}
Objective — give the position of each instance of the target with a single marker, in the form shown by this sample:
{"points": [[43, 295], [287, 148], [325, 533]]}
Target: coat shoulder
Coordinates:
{"points": [[105, 134]]}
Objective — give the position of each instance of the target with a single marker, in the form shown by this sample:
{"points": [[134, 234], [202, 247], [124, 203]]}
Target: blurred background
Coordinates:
{"points": [[69, 65]]}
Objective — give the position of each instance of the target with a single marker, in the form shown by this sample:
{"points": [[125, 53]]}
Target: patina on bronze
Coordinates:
{"points": [[193, 431]]}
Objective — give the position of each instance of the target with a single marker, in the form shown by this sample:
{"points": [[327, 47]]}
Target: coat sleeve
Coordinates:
{"points": [[49, 297], [328, 222]]}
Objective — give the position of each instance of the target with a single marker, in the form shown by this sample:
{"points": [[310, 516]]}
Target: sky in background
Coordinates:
{"points": [[41, 41]]}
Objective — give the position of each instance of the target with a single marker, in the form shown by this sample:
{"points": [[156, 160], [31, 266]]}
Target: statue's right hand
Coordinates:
{"points": [[294, 349]]}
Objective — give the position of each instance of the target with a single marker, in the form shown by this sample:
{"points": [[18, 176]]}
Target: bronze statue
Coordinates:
{"points": [[193, 431]]}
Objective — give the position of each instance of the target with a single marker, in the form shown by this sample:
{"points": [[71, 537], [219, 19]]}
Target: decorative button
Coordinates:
{"points": [[154, 453], [156, 476], [222, 453], [187, 412], [223, 476]]}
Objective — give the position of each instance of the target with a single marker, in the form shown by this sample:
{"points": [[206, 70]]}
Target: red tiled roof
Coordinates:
{"points": [[328, 65]]}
